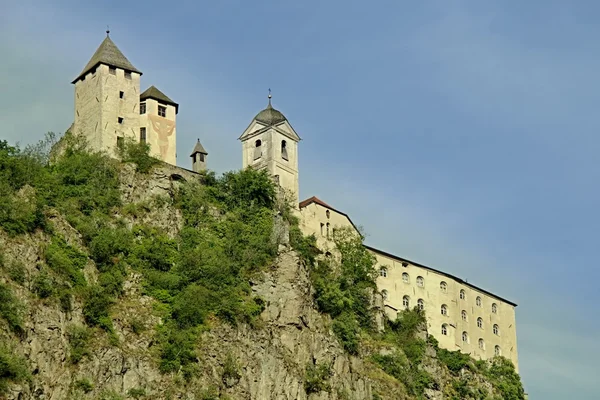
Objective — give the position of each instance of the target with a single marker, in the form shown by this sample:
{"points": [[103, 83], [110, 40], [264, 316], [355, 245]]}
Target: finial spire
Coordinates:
{"points": [[107, 30], [270, 97]]}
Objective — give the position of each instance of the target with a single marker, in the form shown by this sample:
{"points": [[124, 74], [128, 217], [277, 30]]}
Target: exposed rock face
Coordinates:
{"points": [[270, 358]]}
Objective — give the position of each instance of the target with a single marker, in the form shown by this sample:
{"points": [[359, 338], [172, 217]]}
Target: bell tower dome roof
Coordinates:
{"points": [[270, 116]]}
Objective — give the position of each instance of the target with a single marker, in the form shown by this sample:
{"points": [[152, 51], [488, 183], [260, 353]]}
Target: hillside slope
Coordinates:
{"points": [[137, 279]]}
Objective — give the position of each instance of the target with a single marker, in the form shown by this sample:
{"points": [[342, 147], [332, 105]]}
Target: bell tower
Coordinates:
{"points": [[270, 143]]}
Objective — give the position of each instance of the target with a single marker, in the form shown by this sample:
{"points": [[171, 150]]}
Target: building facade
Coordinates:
{"points": [[109, 107], [459, 315]]}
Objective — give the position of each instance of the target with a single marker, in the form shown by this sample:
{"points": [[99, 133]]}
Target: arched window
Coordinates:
{"points": [[481, 344], [497, 351], [462, 294], [327, 226], [478, 301], [284, 153], [327, 214], [420, 281], [444, 309], [257, 149], [420, 304], [465, 337], [383, 272], [480, 322], [405, 278], [494, 308], [384, 294], [443, 287], [463, 315], [496, 330], [444, 329], [406, 301]]}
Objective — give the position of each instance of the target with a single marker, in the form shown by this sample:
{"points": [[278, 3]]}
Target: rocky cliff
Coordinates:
{"points": [[55, 349]]}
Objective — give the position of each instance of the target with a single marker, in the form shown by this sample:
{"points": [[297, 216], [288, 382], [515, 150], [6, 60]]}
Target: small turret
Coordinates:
{"points": [[198, 157]]}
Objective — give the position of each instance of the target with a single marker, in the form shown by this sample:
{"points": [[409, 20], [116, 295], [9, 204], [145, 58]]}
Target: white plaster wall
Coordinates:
{"points": [[313, 215], [88, 109], [114, 107], [286, 170], [160, 123]]}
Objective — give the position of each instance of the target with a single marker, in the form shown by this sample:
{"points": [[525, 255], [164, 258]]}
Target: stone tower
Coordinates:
{"points": [[157, 124], [107, 98], [198, 157], [270, 143]]}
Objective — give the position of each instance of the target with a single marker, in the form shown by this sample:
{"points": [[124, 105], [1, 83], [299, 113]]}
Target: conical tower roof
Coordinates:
{"points": [[108, 53], [198, 149]]}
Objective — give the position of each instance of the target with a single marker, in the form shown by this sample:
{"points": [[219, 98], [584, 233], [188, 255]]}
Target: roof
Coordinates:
{"points": [[270, 116], [198, 149], [459, 280], [153, 93], [108, 53], [316, 200], [320, 202]]}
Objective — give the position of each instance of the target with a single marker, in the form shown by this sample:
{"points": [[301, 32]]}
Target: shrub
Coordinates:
{"points": [[66, 260], [17, 272], [454, 360], [96, 307], [84, 385], [176, 348], [11, 309], [43, 285], [79, 337], [12, 368], [139, 154], [136, 393], [316, 378]]}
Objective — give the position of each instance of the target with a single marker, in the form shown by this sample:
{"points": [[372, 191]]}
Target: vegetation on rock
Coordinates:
{"points": [[198, 275]]}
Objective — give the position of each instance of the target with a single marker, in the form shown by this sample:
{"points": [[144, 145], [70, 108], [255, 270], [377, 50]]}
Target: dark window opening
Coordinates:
{"points": [[127, 75], [328, 214], [142, 108], [257, 149], [143, 135], [112, 70], [201, 157], [284, 153], [120, 120], [162, 111], [121, 95], [120, 141]]}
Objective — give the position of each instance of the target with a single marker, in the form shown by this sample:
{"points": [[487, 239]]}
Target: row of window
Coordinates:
{"points": [[258, 150], [465, 339], [162, 110], [443, 287], [443, 310]]}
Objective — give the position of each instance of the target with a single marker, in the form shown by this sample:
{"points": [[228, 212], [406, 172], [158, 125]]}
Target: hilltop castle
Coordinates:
{"points": [[109, 108]]}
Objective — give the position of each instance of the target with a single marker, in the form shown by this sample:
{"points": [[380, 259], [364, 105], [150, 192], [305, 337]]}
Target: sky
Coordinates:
{"points": [[461, 135]]}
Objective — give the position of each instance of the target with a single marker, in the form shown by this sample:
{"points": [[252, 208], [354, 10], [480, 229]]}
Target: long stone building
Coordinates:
{"points": [[109, 108]]}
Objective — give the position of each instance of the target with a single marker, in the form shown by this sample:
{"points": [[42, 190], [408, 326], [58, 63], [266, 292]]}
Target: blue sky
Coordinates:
{"points": [[461, 135]]}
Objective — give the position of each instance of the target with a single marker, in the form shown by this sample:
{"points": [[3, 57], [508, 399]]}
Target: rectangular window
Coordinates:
{"points": [[142, 108], [120, 120], [121, 95], [112, 70], [162, 111], [201, 157], [127, 75], [120, 141], [143, 135]]}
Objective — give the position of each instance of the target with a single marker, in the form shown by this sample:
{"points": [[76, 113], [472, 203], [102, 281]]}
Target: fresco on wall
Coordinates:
{"points": [[163, 129]]}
